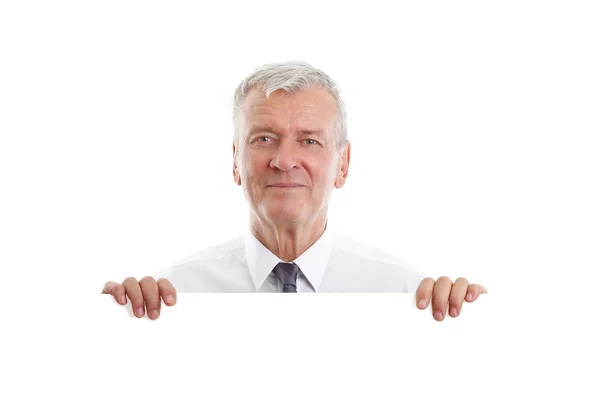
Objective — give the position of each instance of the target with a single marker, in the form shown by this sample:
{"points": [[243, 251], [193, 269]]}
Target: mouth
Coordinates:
{"points": [[284, 186]]}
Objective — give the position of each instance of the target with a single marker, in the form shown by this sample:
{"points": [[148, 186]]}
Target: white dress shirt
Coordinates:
{"points": [[334, 263]]}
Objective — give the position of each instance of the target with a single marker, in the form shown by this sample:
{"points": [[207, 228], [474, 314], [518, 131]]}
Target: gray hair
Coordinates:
{"points": [[292, 77]]}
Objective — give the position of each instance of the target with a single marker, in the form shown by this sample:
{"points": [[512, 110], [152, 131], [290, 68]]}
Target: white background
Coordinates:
{"points": [[474, 130]]}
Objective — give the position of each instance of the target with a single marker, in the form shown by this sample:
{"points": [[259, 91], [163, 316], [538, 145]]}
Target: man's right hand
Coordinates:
{"points": [[147, 291]]}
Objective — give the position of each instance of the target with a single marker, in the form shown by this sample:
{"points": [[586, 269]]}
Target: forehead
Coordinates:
{"points": [[312, 108]]}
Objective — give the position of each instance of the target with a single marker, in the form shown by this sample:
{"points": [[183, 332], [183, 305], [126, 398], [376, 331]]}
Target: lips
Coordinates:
{"points": [[285, 185]]}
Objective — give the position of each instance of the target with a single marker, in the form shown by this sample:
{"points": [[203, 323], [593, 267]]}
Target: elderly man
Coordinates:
{"points": [[290, 149]]}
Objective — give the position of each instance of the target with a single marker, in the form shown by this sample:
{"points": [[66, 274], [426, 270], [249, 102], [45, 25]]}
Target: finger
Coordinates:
{"points": [[441, 293], [457, 296], [116, 290], [167, 291], [151, 297], [134, 292], [423, 293], [474, 291]]}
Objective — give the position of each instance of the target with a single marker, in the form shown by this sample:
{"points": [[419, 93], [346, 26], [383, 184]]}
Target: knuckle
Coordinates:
{"points": [[457, 295], [128, 280], [152, 302], [134, 295], [455, 302], [444, 278], [426, 286], [439, 303], [462, 279], [165, 285], [137, 303], [147, 279], [429, 280]]}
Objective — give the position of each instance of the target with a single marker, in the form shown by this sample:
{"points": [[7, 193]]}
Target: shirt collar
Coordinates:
{"points": [[313, 262]]}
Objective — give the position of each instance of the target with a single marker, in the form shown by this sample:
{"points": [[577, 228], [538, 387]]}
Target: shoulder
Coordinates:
{"points": [[365, 251], [214, 252], [204, 261], [380, 262]]}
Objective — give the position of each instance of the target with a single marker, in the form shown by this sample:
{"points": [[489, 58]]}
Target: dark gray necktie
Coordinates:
{"points": [[287, 274]]}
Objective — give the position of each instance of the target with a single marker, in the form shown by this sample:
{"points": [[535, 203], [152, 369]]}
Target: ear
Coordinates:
{"points": [[236, 172], [342, 173]]}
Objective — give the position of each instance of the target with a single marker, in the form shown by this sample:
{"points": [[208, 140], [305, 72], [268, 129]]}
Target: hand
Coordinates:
{"points": [[444, 290], [146, 291]]}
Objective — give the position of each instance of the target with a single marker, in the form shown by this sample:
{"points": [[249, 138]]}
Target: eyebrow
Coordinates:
{"points": [[260, 128], [318, 132], [266, 128]]}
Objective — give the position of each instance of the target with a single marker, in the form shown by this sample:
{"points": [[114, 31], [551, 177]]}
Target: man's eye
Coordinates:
{"points": [[313, 141], [263, 137]]}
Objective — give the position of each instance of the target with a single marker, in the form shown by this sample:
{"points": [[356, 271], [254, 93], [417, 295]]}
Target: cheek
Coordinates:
{"points": [[253, 169], [323, 173]]}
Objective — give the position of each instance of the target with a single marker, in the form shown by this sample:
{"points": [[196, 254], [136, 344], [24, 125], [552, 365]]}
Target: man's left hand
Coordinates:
{"points": [[442, 291]]}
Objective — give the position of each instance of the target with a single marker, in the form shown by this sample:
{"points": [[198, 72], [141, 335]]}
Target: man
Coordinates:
{"points": [[290, 150]]}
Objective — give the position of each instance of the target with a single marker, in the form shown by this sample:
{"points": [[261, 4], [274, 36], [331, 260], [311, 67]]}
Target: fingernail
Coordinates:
{"points": [[123, 299], [422, 304], [153, 314], [438, 315], [453, 312], [139, 312], [470, 296], [170, 299]]}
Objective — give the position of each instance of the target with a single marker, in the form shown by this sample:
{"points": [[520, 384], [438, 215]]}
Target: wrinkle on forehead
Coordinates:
{"points": [[313, 106]]}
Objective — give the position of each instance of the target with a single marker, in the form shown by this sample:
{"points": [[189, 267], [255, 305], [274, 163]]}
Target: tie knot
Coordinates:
{"points": [[287, 274]]}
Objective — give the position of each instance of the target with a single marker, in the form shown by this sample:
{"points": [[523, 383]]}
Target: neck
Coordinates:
{"points": [[288, 242]]}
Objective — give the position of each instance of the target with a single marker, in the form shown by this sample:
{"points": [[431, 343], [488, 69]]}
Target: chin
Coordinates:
{"points": [[283, 215]]}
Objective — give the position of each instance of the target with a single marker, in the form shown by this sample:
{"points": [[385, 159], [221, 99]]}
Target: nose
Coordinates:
{"points": [[286, 156]]}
